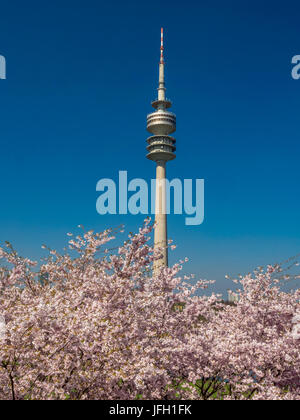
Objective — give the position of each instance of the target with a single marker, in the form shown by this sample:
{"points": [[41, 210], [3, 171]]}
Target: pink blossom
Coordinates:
{"points": [[98, 326]]}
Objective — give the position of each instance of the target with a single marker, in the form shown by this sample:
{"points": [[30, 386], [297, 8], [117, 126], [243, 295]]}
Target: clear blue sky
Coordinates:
{"points": [[80, 79]]}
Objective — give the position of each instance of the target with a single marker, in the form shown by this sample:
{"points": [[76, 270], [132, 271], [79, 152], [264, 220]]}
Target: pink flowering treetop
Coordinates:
{"points": [[97, 325]]}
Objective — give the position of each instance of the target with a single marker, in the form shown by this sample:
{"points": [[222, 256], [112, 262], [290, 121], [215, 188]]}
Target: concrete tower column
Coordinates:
{"points": [[161, 147], [160, 232]]}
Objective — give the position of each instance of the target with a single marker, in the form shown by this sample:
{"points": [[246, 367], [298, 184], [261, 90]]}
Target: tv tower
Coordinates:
{"points": [[161, 148]]}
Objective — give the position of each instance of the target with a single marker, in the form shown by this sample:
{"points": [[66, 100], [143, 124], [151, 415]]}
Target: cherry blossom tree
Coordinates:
{"points": [[93, 323]]}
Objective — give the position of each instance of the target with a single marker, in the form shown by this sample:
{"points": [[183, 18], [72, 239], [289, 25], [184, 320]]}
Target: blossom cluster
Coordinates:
{"points": [[99, 325]]}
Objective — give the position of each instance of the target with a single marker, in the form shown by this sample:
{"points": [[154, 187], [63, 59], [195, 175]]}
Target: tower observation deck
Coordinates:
{"points": [[161, 148]]}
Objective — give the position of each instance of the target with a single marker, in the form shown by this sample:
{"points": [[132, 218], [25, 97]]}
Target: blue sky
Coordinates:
{"points": [[80, 79]]}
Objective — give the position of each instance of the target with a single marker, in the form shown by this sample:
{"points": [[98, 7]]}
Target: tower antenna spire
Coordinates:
{"points": [[162, 46], [161, 78]]}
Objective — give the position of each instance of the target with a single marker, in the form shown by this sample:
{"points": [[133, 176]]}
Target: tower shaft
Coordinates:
{"points": [[161, 147], [161, 84], [160, 232]]}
